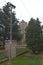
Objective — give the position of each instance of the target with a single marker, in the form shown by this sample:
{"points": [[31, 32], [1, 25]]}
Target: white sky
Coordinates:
{"points": [[25, 9]]}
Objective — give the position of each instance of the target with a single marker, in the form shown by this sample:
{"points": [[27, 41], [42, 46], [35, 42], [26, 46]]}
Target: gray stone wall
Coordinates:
{"points": [[10, 49], [23, 26]]}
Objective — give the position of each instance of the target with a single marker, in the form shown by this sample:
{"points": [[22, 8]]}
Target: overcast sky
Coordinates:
{"points": [[25, 9]]}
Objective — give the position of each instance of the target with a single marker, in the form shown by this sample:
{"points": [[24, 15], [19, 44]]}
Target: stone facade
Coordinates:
{"points": [[10, 49], [23, 26]]}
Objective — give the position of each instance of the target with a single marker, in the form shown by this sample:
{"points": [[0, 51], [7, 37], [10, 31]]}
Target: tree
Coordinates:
{"points": [[2, 34], [33, 35], [5, 20]]}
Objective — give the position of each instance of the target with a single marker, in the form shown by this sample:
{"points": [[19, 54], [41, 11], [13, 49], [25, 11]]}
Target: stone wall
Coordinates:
{"points": [[23, 26], [10, 49], [21, 46]]}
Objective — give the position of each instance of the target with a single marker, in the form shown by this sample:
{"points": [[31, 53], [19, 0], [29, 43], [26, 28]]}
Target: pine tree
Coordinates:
{"points": [[33, 34]]}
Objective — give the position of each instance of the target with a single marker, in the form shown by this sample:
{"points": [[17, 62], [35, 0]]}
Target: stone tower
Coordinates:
{"points": [[23, 26]]}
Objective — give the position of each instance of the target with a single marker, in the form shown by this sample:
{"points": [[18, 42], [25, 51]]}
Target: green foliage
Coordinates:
{"points": [[25, 60], [33, 35], [5, 16]]}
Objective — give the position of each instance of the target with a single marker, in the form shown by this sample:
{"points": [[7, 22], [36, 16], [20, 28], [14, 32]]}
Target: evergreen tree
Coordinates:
{"points": [[5, 20], [33, 35]]}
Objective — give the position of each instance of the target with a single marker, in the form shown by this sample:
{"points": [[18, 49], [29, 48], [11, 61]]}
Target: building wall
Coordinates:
{"points": [[23, 26]]}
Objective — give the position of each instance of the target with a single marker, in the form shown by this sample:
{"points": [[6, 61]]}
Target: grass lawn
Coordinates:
{"points": [[2, 54], [20, 50], [25, 60]]}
